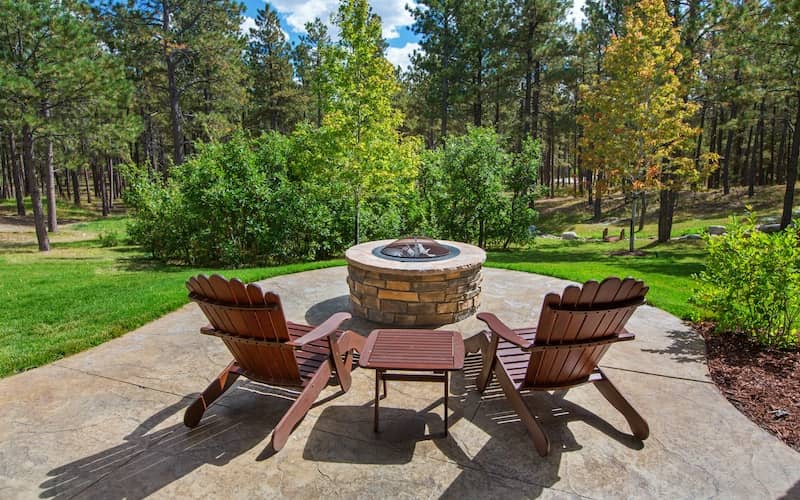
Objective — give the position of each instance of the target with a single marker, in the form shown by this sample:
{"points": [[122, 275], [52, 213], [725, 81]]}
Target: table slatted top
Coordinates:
{"points": [[413, 350]]}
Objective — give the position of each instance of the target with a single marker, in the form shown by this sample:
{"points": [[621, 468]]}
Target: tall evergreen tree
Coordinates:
{"points": [[54, 69], [273, 92], [436, 21], [188, 56], [309, 60]]}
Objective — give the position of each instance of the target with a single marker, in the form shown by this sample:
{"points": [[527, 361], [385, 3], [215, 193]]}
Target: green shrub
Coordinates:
{"points": [[238, 204], [108, 239], [752, 283], [475, 191]]}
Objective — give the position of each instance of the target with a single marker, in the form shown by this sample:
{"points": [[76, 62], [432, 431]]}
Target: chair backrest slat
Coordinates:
{"points": [[593, 312], [254, 324]]}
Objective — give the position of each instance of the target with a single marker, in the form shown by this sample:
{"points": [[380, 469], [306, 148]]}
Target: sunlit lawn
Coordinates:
{"points": [[667, 269], [80, 295]]}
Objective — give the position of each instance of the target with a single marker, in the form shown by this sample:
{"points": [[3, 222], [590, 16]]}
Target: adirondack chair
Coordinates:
{"points": [[268, 349], [574, 332]]}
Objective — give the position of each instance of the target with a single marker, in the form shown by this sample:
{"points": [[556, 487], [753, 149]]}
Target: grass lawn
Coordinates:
{"points": [[667, 269], [80, 294]]}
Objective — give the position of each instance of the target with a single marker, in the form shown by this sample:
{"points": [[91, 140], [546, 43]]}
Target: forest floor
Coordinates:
{"points": [[694, 213], [81, 294]]}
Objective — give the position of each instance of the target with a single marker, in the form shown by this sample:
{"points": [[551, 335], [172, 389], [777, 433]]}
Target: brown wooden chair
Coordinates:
{"points": [[574, 332], [267, 348]]}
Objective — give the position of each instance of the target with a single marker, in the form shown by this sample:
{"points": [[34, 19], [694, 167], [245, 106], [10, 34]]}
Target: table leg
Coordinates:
{"points": [[446, 381], [377, 397]]}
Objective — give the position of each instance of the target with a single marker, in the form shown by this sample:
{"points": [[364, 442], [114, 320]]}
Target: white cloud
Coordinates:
{"points": [[401, 56], [299, 12], [575, 14], [247, 23]]}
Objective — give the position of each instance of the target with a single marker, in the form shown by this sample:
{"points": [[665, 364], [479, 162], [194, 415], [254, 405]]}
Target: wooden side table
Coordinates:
{"points": [[436, 351]]}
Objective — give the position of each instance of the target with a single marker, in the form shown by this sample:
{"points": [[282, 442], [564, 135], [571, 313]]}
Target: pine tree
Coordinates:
{"points": [[185, 58], [54, 70], [436, 23], [309, 62], [273, 92]]}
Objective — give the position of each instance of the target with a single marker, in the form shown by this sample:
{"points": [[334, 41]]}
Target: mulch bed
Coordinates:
{"points": [[764, 384]]}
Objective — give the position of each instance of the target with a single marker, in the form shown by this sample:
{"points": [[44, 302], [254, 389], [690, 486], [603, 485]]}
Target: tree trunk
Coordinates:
{"points": [[642, 211], [699, 149], [791, 170], [52, 223], [758, 163], [356, 219], [598, 197], [726, 169], [33, 187], [537, 91], [101, 181], [112, 188], [88, 191], [668, 199], [76, 186], [526, 102], [772, 165], [477, 108], [4, 166], [718, 149], [781, 170], [16, 171], [172, 86], [445, 104], [744, 167], [631, 239], [712, 146]]}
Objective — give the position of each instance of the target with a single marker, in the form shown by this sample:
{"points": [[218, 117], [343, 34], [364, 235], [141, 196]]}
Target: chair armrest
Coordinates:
{"points": [[500, 328], [328, 327], [625, 335]]}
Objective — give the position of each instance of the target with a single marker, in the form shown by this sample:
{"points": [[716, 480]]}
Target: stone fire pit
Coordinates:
{"points": [[414, 292]]}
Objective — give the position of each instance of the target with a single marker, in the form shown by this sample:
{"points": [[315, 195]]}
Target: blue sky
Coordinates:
{"points": [[396, 21]]}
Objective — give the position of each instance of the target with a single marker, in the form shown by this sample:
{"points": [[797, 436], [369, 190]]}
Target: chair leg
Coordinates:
{"points": [[300, 407], [484, 378], [214, 390], [540, 440], [638, 424], [347, 343]]}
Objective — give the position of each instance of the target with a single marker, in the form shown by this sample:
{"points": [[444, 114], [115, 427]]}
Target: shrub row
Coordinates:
{"points": [[274, 199]]}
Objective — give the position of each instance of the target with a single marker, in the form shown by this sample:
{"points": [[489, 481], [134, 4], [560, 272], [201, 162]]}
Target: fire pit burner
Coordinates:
{"points": [[415, 248]]}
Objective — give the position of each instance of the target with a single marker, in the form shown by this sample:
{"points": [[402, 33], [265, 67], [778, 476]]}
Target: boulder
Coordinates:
{"points": [[689, 237], [569, 235], [716, 230], [769, 228]]}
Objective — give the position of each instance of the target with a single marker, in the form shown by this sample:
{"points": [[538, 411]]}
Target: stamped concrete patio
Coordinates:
{"points": [[107, 423]]}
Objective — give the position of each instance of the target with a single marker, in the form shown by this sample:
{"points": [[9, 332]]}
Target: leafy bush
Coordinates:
{"points": [[752, 283], [475, 191], [238, 204]]}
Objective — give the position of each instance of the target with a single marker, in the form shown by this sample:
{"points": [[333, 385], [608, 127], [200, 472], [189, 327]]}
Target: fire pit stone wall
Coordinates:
{"points": [[414, 293]]}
